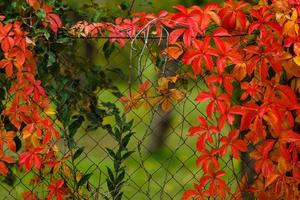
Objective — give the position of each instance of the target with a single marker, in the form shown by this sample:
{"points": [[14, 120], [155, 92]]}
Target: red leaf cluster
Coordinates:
{"points": [[28, 107], [252, 58]]}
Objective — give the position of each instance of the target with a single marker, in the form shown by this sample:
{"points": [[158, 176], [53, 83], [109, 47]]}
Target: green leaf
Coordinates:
{"points": [[108, 48], [64, 115], [111, 152], [41, 14], [11, 178], [63, 40], [110, 174], [124, 5], [64, 97], [92, 127], [160, 62], [78, 153], [75, 125], [118, 72], [128, 126], [47, 35], [84, 179], [117, 164], [120, 177], [127, 154], [110, 185], [126, 139], [51, 59], [119, 197]]}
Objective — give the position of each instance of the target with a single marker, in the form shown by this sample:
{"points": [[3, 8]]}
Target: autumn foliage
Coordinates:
{"points": [[29, 109], [250, 57]]}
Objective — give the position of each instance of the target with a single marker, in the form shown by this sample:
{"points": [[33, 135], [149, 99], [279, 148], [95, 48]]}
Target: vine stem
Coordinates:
{"points": [[130, 8], [234, 174]]}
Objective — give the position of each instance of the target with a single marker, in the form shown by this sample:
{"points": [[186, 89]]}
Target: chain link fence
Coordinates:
{"points": [[163, 164]]}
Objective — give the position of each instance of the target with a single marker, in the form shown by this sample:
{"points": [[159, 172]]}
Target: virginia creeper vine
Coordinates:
{"points": [[251, 61]]}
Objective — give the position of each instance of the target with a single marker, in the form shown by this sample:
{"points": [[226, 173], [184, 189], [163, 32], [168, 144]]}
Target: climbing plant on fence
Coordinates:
{"points": [[248, 56]]}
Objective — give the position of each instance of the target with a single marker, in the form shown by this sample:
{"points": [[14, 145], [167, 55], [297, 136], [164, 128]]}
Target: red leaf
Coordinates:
{"points": [[289, 136], [235, 144], [30, 158], [29, 196], [263, 163], [3, 160], [35, 4], [7, 44], [51, 19], [57, 189], [189, 194], [208, 158], [8, 66], [55, 22], [3, 169], [174, 35]]}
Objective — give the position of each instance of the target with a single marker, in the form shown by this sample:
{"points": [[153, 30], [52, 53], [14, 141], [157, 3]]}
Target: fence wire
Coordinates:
{"points": [[163, 164]]}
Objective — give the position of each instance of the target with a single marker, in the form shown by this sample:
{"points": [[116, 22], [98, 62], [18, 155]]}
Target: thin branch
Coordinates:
{"points": [[130, 8]]}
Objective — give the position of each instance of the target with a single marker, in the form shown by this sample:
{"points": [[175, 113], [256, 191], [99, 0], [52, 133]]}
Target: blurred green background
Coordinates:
{"points": [[169, 171]]}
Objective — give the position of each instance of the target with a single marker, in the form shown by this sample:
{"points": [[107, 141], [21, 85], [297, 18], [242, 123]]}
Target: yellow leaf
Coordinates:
{"points": [[280, 18], [215, 17], [287, 27], [55, 148], [291, 27], [26, 134], [173, 78], [66, 170], [50, 111], [292, 69], [263, 2], [151, 101], [108, 120], [176, 95], [35, 140], [297, 120], [297, 60], [163, 83], [282, 165], [78, 176], [29, 41], [294, 16], [295, 85]]}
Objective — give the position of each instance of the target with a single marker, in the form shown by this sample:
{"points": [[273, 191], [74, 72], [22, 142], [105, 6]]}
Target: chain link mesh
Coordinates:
{"points": [[163, 164]]}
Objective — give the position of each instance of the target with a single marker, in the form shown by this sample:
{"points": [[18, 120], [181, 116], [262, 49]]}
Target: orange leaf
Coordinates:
{"points": [[289, 136], [297, 48], [163, 83], [292, 67], [176, 95], [173, 52], [166, 105], [35, 4], [282, 165], [3, 169], [240, 71], [270, 179]]}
